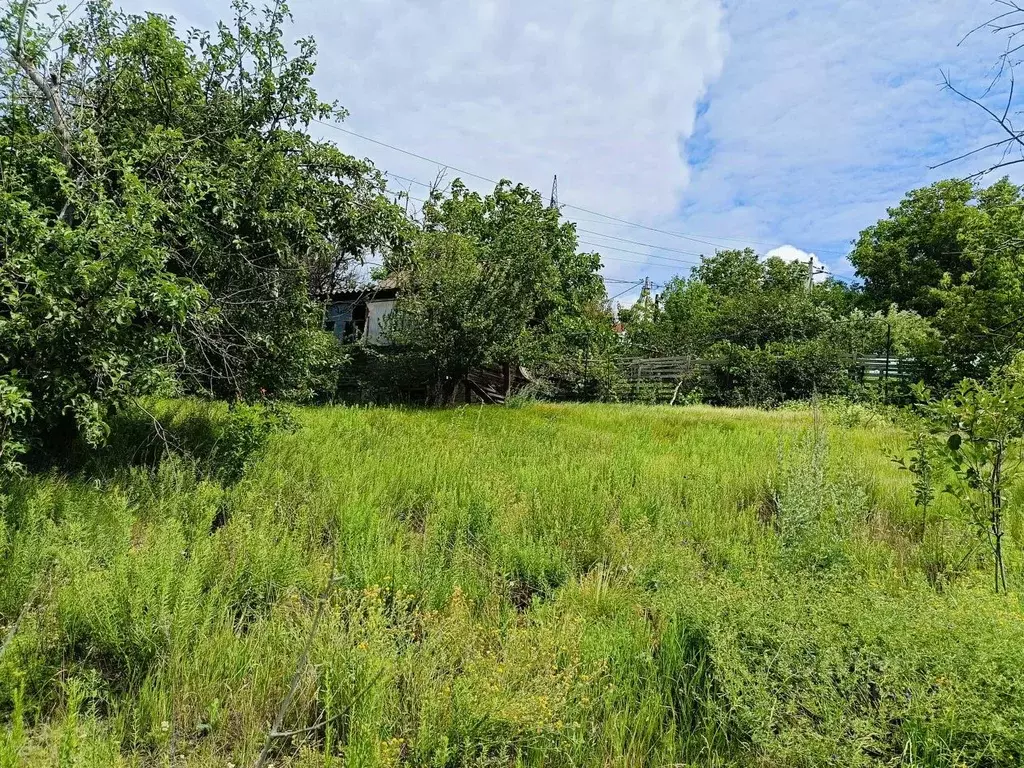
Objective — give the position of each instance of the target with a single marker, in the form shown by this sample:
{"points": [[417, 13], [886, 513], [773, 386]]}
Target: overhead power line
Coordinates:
{"points": [[633, 282], [683, 235], [604, 247], [704, 239], [405, 151], [633, 287], [637, 242]]}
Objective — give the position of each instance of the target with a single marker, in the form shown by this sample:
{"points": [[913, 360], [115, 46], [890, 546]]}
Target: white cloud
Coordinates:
{"points": [[827, 112], [792, 253], [599, 93], [746, 123]]}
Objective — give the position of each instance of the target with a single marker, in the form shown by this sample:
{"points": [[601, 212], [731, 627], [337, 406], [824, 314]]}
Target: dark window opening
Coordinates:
{"points": [[357, 326]]}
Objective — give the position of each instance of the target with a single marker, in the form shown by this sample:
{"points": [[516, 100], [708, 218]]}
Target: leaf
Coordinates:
{"points": [[954, 442]]}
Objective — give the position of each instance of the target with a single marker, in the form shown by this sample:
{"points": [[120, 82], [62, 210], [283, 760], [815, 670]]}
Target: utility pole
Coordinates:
{"points": [[810, 273], [645, 293], [554, 193]]}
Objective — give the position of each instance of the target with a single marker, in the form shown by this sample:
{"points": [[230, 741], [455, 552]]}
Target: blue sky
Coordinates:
{"points": [[762, 122]]}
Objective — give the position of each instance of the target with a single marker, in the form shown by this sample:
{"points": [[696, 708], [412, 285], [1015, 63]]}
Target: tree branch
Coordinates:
{"points": [[300, 666], [51, 93]]}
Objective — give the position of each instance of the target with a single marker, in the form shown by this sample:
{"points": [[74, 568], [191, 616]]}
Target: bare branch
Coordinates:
{"points": [[333, 718], [985, 24], [1009, 98], [972, 152], [995, 167], [300, 666], [1014, 137], [52, 94]]}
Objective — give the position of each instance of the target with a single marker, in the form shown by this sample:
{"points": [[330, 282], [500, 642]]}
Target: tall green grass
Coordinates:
{"points": [[545, 585]]}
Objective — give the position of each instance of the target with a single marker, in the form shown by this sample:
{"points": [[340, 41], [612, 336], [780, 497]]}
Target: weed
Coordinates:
{"points": [[558, 585]]}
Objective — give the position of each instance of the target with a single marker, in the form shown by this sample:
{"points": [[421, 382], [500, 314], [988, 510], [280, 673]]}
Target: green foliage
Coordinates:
{"points": [[639, 586], [164, 212], [762, 336], [812, 509], [904, 257], [455, 312], [15, 411], [980, 428], [244, 436], [89, 304], [495, 279], [736, 375], [943, 293], [951, 253], [921, 464]]}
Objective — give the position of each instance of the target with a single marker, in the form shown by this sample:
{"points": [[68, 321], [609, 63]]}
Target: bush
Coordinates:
{"points": [[245, 434], [766, 376]]}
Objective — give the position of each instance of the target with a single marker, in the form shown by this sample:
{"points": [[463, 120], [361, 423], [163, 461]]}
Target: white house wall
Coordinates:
{"points": [[376, 314]]}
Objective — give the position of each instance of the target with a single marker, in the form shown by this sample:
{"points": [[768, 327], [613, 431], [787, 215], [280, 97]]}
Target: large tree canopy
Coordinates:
{"points": [[952, 252], [905, 257], [164, 210], [496, 278]]}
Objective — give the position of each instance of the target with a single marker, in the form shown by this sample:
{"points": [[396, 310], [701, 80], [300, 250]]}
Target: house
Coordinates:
{"points": [[358, 316]]}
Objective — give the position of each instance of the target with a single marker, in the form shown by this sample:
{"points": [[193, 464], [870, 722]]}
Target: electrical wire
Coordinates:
{"points": [[670, 259], [604, 246], [637, 242], [703, 239], [623, 293]]}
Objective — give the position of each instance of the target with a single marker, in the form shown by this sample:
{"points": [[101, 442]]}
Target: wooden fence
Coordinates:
{"points": [[659, 378]]}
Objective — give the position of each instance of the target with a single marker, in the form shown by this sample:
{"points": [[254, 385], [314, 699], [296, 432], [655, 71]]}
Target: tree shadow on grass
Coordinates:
{"points": [[143, 435]]}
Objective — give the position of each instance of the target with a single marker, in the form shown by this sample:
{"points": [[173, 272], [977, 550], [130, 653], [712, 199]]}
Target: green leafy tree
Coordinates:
{"points": [[164, 210], [687, 323], [258, 209], [731, 272], [90, 305], [920, 463], [952, 253], [904, 258], [495, 279], [735, 297], [980, 427], [982, 315]]}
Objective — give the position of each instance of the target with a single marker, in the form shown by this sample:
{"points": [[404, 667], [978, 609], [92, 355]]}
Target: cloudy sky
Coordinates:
{"points": [[778, 124]]}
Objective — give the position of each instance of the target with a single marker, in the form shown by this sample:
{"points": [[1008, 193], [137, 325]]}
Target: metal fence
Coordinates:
{"points": [[659, 378], [888, 368]]}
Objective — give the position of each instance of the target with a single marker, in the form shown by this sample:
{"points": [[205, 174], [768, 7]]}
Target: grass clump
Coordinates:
{"points": [[546, 585]]}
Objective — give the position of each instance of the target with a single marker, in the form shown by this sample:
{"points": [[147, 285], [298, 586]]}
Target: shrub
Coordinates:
{"points": [[740, 376], [245, 434]]}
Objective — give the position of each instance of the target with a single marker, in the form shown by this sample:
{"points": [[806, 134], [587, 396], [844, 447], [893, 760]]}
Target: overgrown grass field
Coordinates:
{"points": [[553, 585]]}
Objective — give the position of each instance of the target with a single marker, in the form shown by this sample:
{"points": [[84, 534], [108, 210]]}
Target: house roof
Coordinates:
{"points": [[369, 293], [380, 290]]}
